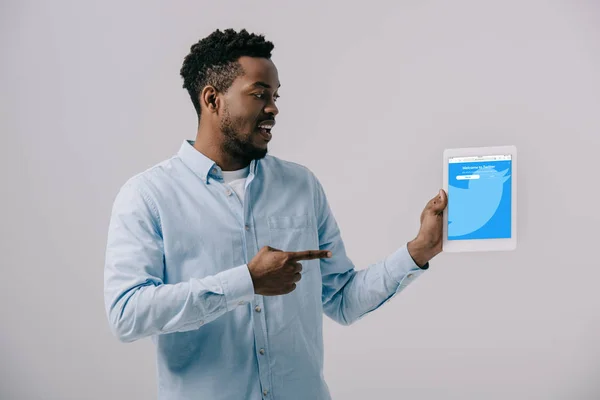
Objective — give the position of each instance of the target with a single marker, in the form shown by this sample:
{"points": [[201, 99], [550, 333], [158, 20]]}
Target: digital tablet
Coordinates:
{"points": [[481, 183]]}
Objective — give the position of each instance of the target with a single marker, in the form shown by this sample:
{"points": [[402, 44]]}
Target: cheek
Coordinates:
{"points": [[248, 123], [238, 121], [248, 126], [244, 117]]}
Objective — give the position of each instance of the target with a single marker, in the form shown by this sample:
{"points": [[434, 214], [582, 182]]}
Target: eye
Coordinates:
{"points": [[262, 96]]}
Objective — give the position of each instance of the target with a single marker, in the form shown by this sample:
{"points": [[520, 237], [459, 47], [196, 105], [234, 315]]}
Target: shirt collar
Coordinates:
{"points": [[203, 166]]}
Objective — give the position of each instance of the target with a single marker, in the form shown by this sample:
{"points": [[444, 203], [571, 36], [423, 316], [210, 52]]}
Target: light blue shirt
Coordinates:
{"points": [[179, 241]]}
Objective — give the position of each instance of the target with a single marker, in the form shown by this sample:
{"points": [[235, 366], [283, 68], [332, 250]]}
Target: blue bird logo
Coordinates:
{"points": [[471, 208]]}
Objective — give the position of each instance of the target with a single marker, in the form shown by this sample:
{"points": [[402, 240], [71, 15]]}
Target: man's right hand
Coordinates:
{"points": [[275, 272]]}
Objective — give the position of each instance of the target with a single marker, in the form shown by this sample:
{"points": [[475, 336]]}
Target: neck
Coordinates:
{"points": [[207, 144]]}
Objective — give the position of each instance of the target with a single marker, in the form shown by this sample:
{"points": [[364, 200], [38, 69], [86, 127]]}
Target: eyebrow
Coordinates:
{"points": [[265, 85]]}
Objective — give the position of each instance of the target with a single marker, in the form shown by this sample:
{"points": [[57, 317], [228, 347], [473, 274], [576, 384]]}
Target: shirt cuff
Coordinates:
{"points": [[237, 286], [400, 265]]}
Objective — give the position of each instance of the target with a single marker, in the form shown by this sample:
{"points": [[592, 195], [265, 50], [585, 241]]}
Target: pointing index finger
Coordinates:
{"points": [[309, 254]]}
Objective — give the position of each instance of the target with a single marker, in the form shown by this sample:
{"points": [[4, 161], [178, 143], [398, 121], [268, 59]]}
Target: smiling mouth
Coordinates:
{"points": [[264, 128]]}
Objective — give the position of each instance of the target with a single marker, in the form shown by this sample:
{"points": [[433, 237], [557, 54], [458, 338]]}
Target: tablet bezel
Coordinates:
{"points": [[482, 244]]}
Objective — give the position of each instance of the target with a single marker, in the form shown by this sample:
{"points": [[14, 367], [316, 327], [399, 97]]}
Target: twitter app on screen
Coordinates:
{"points": [[479, 197]]}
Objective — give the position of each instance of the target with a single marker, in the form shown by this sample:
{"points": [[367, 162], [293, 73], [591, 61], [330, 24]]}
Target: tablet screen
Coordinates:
{"points": [[479, 197]]}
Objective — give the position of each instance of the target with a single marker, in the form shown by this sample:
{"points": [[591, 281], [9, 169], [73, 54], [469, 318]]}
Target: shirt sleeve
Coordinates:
{"points": [[137, 301], [348, 294]]}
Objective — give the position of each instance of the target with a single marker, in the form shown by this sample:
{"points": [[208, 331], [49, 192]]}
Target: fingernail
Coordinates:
{"points": [[328, 254]]}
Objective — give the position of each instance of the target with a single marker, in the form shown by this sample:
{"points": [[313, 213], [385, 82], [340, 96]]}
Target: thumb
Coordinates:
{"points": [[439, 202]]}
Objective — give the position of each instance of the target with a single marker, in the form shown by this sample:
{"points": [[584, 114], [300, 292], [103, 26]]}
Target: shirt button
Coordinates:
{"points": [[257, 309], [409, 276], [262, 351], [228, 192], [265, 392], [247, 227]]}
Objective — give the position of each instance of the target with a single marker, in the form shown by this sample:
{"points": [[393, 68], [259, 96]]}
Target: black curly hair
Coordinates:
{"points": [[214, 60]]}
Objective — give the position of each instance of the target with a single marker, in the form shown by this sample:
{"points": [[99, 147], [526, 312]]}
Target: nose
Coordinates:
{"points": [[271, 108]]}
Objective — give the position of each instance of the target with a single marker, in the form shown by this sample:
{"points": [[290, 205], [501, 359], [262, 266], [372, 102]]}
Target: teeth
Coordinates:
{"points": [[266, 124]]}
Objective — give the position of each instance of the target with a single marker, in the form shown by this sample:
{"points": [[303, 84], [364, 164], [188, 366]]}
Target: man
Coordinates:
{"points": [[228, 257]]}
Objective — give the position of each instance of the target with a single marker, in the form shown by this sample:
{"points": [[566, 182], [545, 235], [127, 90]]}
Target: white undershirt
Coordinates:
{"points": [[237, 181]]}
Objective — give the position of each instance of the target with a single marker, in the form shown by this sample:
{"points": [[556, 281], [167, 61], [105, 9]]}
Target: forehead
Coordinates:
{"points": [[257, 70]]}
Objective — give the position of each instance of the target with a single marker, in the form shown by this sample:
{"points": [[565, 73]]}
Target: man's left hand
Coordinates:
{"points": [[428, 242]]}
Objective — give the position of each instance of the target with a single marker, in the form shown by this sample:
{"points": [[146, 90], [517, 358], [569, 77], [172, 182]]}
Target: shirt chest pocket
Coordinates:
{"points": [[295, 233], [292, 232]]}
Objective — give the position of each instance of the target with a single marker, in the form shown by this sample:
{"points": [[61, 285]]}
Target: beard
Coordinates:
{"points": [[237, 144]]}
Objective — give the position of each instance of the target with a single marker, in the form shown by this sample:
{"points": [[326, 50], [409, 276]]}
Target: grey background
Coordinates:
{"points": [[372, 93]]}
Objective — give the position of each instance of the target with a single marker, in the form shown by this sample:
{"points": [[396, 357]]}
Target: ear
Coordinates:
{"points": [[209, 99]]}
